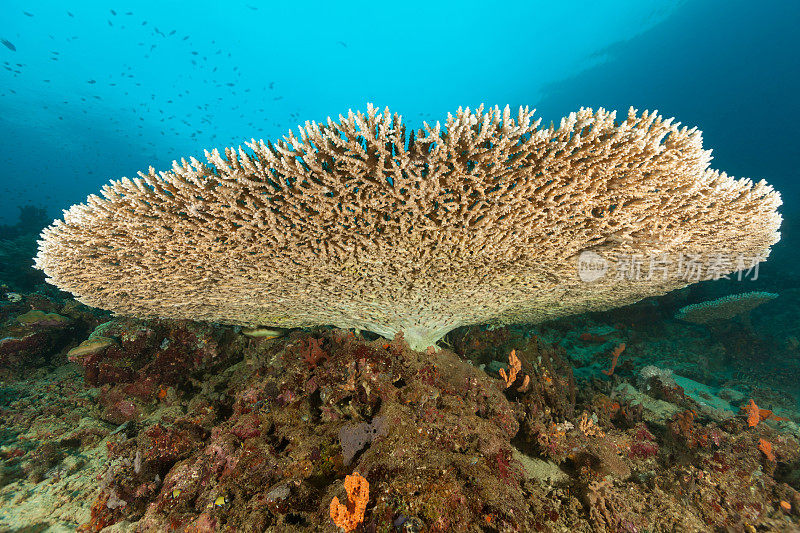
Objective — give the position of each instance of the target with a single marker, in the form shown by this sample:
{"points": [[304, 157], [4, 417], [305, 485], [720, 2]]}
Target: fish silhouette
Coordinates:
{"points": [[8, 45]]}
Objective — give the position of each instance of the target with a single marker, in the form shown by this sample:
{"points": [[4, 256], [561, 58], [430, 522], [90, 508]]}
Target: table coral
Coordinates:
{"points": [[364, 223]]}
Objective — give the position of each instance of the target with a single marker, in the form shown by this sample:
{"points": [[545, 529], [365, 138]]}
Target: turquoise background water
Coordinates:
{"points": [[98, 90]]}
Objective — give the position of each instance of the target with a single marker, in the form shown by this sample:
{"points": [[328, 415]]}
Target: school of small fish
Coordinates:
{"points": [[164, 112]]}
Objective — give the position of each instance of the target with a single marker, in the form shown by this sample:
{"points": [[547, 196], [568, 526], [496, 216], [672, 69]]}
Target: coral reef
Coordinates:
{"points": [[183, 426], [17, 247], [36, 329]]}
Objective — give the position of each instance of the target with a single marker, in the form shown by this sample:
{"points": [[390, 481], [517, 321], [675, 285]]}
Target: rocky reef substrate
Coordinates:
{"points": [[604, 425]]}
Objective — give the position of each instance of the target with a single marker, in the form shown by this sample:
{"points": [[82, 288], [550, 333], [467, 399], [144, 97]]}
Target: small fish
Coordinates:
{"points": [[253, 8], [8, 45], [342, 43], [185, 37], [70, 14], [173, 32], [28, 14], [113, 12], [91, 81], [219, 501]]}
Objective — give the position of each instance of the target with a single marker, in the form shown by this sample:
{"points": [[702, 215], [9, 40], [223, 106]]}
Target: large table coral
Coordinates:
{"points": [[363, 223]]}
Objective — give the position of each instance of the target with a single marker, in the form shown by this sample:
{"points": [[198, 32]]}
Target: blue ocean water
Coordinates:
{"points": [[88, 95], [93, 91]]}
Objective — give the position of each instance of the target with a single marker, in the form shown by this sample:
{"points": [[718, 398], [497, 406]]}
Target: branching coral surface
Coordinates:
{"points": [[362, 223]]}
